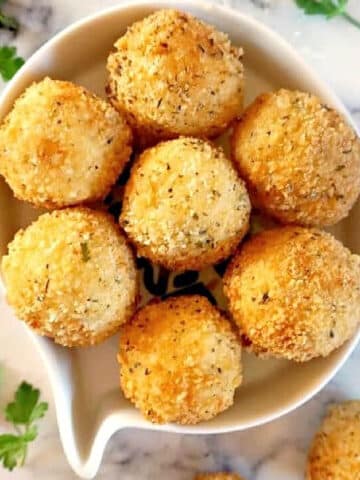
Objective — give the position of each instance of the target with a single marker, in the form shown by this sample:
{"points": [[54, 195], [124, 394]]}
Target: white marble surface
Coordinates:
{"points": [[273, 452]]}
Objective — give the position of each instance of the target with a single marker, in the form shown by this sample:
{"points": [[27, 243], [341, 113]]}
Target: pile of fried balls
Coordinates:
{"points": [[174, 84]]}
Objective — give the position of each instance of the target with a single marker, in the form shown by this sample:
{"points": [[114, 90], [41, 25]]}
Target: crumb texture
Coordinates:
{"points": [[61, 145], [180, 360], [299, 157], [335, 451], [172, 74], [185, 206], [71, 276], [294, 293]]}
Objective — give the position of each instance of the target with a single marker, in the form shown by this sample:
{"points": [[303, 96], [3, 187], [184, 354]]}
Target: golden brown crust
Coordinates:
{"points": [[71, 276], [184, 205], [217, 476], [172, 75], [180, 360], [300, 159], [61, 145], [294, 293], [335, 450]]}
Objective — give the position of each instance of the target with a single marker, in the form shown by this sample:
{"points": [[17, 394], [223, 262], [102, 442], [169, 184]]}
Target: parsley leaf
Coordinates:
{"points": [[22, 412], [85, 251], [328, 8], [19, 412], [310, 7], [39, 411], [12, 450], [9, 62], [321, 7], [9, 23]]}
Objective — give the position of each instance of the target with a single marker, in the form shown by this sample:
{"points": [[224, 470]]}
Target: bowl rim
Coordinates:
{"points": [[87, 468]]}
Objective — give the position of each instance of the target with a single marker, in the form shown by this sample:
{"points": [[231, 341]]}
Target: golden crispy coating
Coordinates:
{"points": [[175, 75], [71, 276], [335, 451], [180, 360], [300, 158], [61, 145], [185, 206], [217, 476], [294, 293]]}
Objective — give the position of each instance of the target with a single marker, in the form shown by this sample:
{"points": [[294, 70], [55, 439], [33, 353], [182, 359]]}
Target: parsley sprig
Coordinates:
{"points": [[9, 62], [328, 8], [23, 412]]}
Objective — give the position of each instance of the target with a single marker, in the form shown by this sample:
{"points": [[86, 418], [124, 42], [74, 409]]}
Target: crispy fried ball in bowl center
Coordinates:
{"points": [[61, 145], [299, 157], [71, 276], [179, 360], [294, 293], [335, 451], [185, 206], [172, 75]]}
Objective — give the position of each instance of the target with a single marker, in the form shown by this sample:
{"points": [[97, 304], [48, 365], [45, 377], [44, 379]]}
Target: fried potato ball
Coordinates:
{"points": [[179, 360], [71, 276], [335, 451], [294, 292], [218, 476], [185, 206], [172, 75], [300, 158], [61, 145]]}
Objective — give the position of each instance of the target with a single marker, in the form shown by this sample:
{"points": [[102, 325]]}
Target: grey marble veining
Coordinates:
{"points": [[276, 451]]}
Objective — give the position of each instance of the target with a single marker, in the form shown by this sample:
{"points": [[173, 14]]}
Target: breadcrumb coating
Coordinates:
{"points": [[172, 74], [185, 206], [217, 476], [180, 360], [294, 293], [299, 157], [61, 145], [335, 451], [71, 276]]}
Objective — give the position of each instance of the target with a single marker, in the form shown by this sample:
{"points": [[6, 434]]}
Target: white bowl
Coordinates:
{"points": [[89, 405]]}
